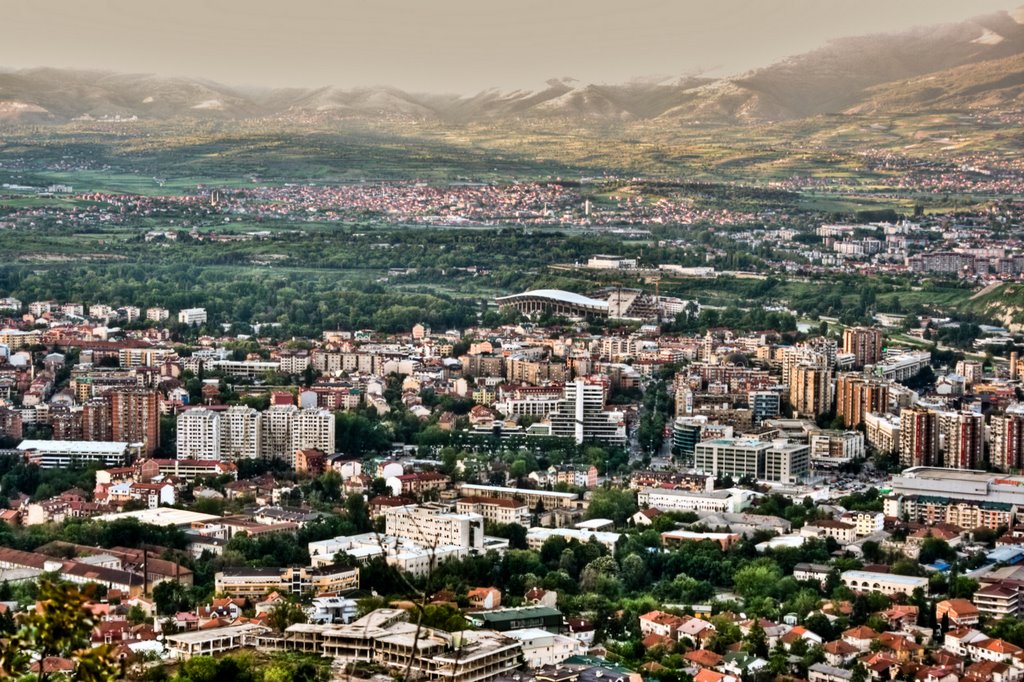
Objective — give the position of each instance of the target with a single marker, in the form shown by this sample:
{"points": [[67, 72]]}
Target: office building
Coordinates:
{"points": [[778, 461], [191, 316], [254, 583], [830, 449], [902, 366], [686, 433], [969, 499], [733, 500], [764, 405], [405, 555], [64, 454], [886, 583], [786, 463]]}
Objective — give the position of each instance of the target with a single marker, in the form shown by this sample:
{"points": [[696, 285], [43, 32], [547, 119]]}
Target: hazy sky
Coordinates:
{"points": [[442, 45]]}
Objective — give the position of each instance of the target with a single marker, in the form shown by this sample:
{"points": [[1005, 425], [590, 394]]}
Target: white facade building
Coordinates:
{"points": [[191, 316], [198, 434]]}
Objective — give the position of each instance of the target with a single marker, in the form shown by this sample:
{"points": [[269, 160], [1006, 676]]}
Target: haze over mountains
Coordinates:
{"points": [[974, 64]]}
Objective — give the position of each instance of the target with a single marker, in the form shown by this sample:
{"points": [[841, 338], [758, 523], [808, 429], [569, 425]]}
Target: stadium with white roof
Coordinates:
{"points": [[619, 304]]}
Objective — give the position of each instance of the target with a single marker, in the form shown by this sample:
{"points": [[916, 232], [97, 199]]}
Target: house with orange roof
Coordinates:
{"points": [[947, 659], [983, 671], [653, 641], [960, 612], [538, 595], [881, 666], [860, 637], [704, 658], [53, 666], [997, 650], [936, 673], [645, 517], [899, 616], [960, 641], [798, 632], [839, 653], [902, 648], [990, 671], [706, 675], [660, 623], [484, 598]]}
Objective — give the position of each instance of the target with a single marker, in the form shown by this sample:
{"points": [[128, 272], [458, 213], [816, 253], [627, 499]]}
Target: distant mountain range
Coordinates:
{"points": [[974, 64]]}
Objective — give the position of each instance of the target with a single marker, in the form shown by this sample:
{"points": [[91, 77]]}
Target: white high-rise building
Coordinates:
{"points": [[276, 432], [581, 415], [313, 428], [240, 433], [198, 434]]}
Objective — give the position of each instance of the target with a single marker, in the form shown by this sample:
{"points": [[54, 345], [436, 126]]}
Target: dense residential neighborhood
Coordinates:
{"points": [[826, 503]]}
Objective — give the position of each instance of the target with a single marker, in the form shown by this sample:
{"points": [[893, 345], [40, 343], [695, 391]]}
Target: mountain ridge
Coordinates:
{"points": [[970, 64]]}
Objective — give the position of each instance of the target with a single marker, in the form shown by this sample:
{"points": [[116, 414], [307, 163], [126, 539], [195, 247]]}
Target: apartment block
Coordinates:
{"points": [[1007, 450], [135, 417], [864, 343], [919, 437], [582, 416], [431, 525], [858, 395]]}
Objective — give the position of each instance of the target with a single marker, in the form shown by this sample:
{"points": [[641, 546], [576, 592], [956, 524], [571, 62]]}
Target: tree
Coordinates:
{"points": [[933, 549], [757, 579], [61, 626], [635, 573], [136, 615], [612, 503], [285, 614], [756, 641], [872, 552], [171, 597], [601, 575], [443, 617], [861, 610], [357, 513], [819, 624]]}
